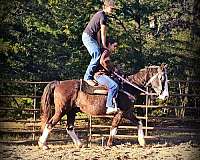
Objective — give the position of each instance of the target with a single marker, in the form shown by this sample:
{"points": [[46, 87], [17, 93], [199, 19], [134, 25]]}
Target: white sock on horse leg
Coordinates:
{"points": [[45, 134], [140, 130], [113, 131], [140, 133], [141, 139], [74, 137]]}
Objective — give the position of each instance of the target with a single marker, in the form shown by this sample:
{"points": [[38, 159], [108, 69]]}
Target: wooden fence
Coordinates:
{"points": [[184, 94]]}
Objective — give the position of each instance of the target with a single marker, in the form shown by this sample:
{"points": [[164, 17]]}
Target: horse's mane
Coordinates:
{"points": [[141, 70], [137, 76]]}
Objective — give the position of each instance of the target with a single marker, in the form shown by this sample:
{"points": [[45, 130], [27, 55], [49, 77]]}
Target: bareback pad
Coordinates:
{"points": [[100, 89]]}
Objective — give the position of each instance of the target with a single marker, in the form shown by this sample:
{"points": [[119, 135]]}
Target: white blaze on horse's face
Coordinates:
{"points": [[159, 83], [165, 93]]}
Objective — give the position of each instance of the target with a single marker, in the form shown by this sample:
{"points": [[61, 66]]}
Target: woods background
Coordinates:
{"points": [[41, 39]]}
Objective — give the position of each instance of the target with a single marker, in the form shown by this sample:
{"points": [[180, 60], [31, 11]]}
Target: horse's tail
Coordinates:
{"points": [[46, 102]]}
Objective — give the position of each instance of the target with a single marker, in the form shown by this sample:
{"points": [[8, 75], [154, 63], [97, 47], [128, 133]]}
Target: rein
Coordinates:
{"points": [[133, 85]]}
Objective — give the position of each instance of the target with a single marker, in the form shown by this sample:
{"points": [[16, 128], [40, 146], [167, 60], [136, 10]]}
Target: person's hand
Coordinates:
{"points": [[105, 48]]}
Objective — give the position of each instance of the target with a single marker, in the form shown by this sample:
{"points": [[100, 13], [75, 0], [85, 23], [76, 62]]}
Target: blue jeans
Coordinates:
{"points": [[112, 86], [94, 50]]}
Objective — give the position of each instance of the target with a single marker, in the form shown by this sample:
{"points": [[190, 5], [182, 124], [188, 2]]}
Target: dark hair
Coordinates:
{"points": [[111, 41]]}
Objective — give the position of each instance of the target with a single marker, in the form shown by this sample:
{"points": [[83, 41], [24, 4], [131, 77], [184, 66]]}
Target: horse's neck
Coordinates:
{"points": [[139, 78]]}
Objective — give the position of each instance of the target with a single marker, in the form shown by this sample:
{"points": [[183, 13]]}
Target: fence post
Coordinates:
{"points": [[34, 112], [146, 112], [90, 130]]}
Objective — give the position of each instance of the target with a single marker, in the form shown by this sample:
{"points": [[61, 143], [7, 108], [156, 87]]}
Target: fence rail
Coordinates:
{"points": [[90, 127]]}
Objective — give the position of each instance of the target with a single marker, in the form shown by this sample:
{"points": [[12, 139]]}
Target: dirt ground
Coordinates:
{"points": [[120, 151]]}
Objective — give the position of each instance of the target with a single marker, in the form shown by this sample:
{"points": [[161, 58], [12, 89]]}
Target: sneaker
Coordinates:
{"points": [[111, 110], [91, 82]]}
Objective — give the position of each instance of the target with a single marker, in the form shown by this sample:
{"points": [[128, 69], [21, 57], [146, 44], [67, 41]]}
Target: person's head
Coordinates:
{"points": [[109, 6], [112, 45]]}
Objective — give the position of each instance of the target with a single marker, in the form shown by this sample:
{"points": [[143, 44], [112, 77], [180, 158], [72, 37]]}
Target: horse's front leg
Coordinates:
{"points": [[131, 116], [47, 129], [70, 128], [115, 123]]}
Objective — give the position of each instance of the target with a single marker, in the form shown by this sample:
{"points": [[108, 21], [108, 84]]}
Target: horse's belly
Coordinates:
{"points": [[91, 104]]}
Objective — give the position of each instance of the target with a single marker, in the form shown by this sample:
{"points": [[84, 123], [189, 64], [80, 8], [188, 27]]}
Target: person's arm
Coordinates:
{"points": [[105, 61], [99, 37], [103, 36]]}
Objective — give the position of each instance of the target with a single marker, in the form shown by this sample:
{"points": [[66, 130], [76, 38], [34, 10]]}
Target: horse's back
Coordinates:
{"points": [[67, 86]]}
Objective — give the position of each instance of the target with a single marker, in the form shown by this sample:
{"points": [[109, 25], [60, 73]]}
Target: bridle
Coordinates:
{"points": [[136, 86], [162, 76], [151, 79], [155, 76]]}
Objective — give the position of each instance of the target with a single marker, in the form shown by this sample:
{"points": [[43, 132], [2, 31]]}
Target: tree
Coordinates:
{"points": [[41, 40]]}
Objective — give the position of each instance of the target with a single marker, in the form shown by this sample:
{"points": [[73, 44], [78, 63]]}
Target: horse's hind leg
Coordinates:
{"points": [[42, 140], [131, 116], [48, 127], [113, 131], [70, 127]]}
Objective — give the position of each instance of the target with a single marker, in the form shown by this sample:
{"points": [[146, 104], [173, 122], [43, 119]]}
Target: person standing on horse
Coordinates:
{"points": [[94, 36], [102, 76]]}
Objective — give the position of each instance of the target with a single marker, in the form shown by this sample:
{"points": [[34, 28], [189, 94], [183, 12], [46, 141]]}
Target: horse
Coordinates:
{"points": [[68, 99]]}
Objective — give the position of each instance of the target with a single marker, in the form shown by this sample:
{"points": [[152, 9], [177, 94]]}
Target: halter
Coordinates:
{"points": [[151, 79]]}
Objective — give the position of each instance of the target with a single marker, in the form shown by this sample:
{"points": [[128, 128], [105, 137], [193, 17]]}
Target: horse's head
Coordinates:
{"points": [[153, 76], [157, 79]]}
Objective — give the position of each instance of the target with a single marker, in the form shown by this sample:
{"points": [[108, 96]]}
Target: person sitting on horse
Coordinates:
{"points": [[102, 76]]}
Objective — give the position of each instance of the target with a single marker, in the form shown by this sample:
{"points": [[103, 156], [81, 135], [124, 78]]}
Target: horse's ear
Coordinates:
{"points": [[162, 66]]}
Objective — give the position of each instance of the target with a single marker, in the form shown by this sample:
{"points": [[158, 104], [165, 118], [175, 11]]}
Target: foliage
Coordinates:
{"points": [[41, 39]]}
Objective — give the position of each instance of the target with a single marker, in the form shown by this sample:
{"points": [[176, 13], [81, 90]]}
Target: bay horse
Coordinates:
{"points": [[68, 98]]}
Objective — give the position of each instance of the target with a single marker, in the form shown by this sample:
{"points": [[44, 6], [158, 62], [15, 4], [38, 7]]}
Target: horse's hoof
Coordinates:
{"points": [[40, 144], [109, 144], [141, 141], [43, 146], [79, 145]]}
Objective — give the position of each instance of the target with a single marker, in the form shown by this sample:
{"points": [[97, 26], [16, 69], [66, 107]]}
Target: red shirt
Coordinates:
{"points": [[105, 66]]}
